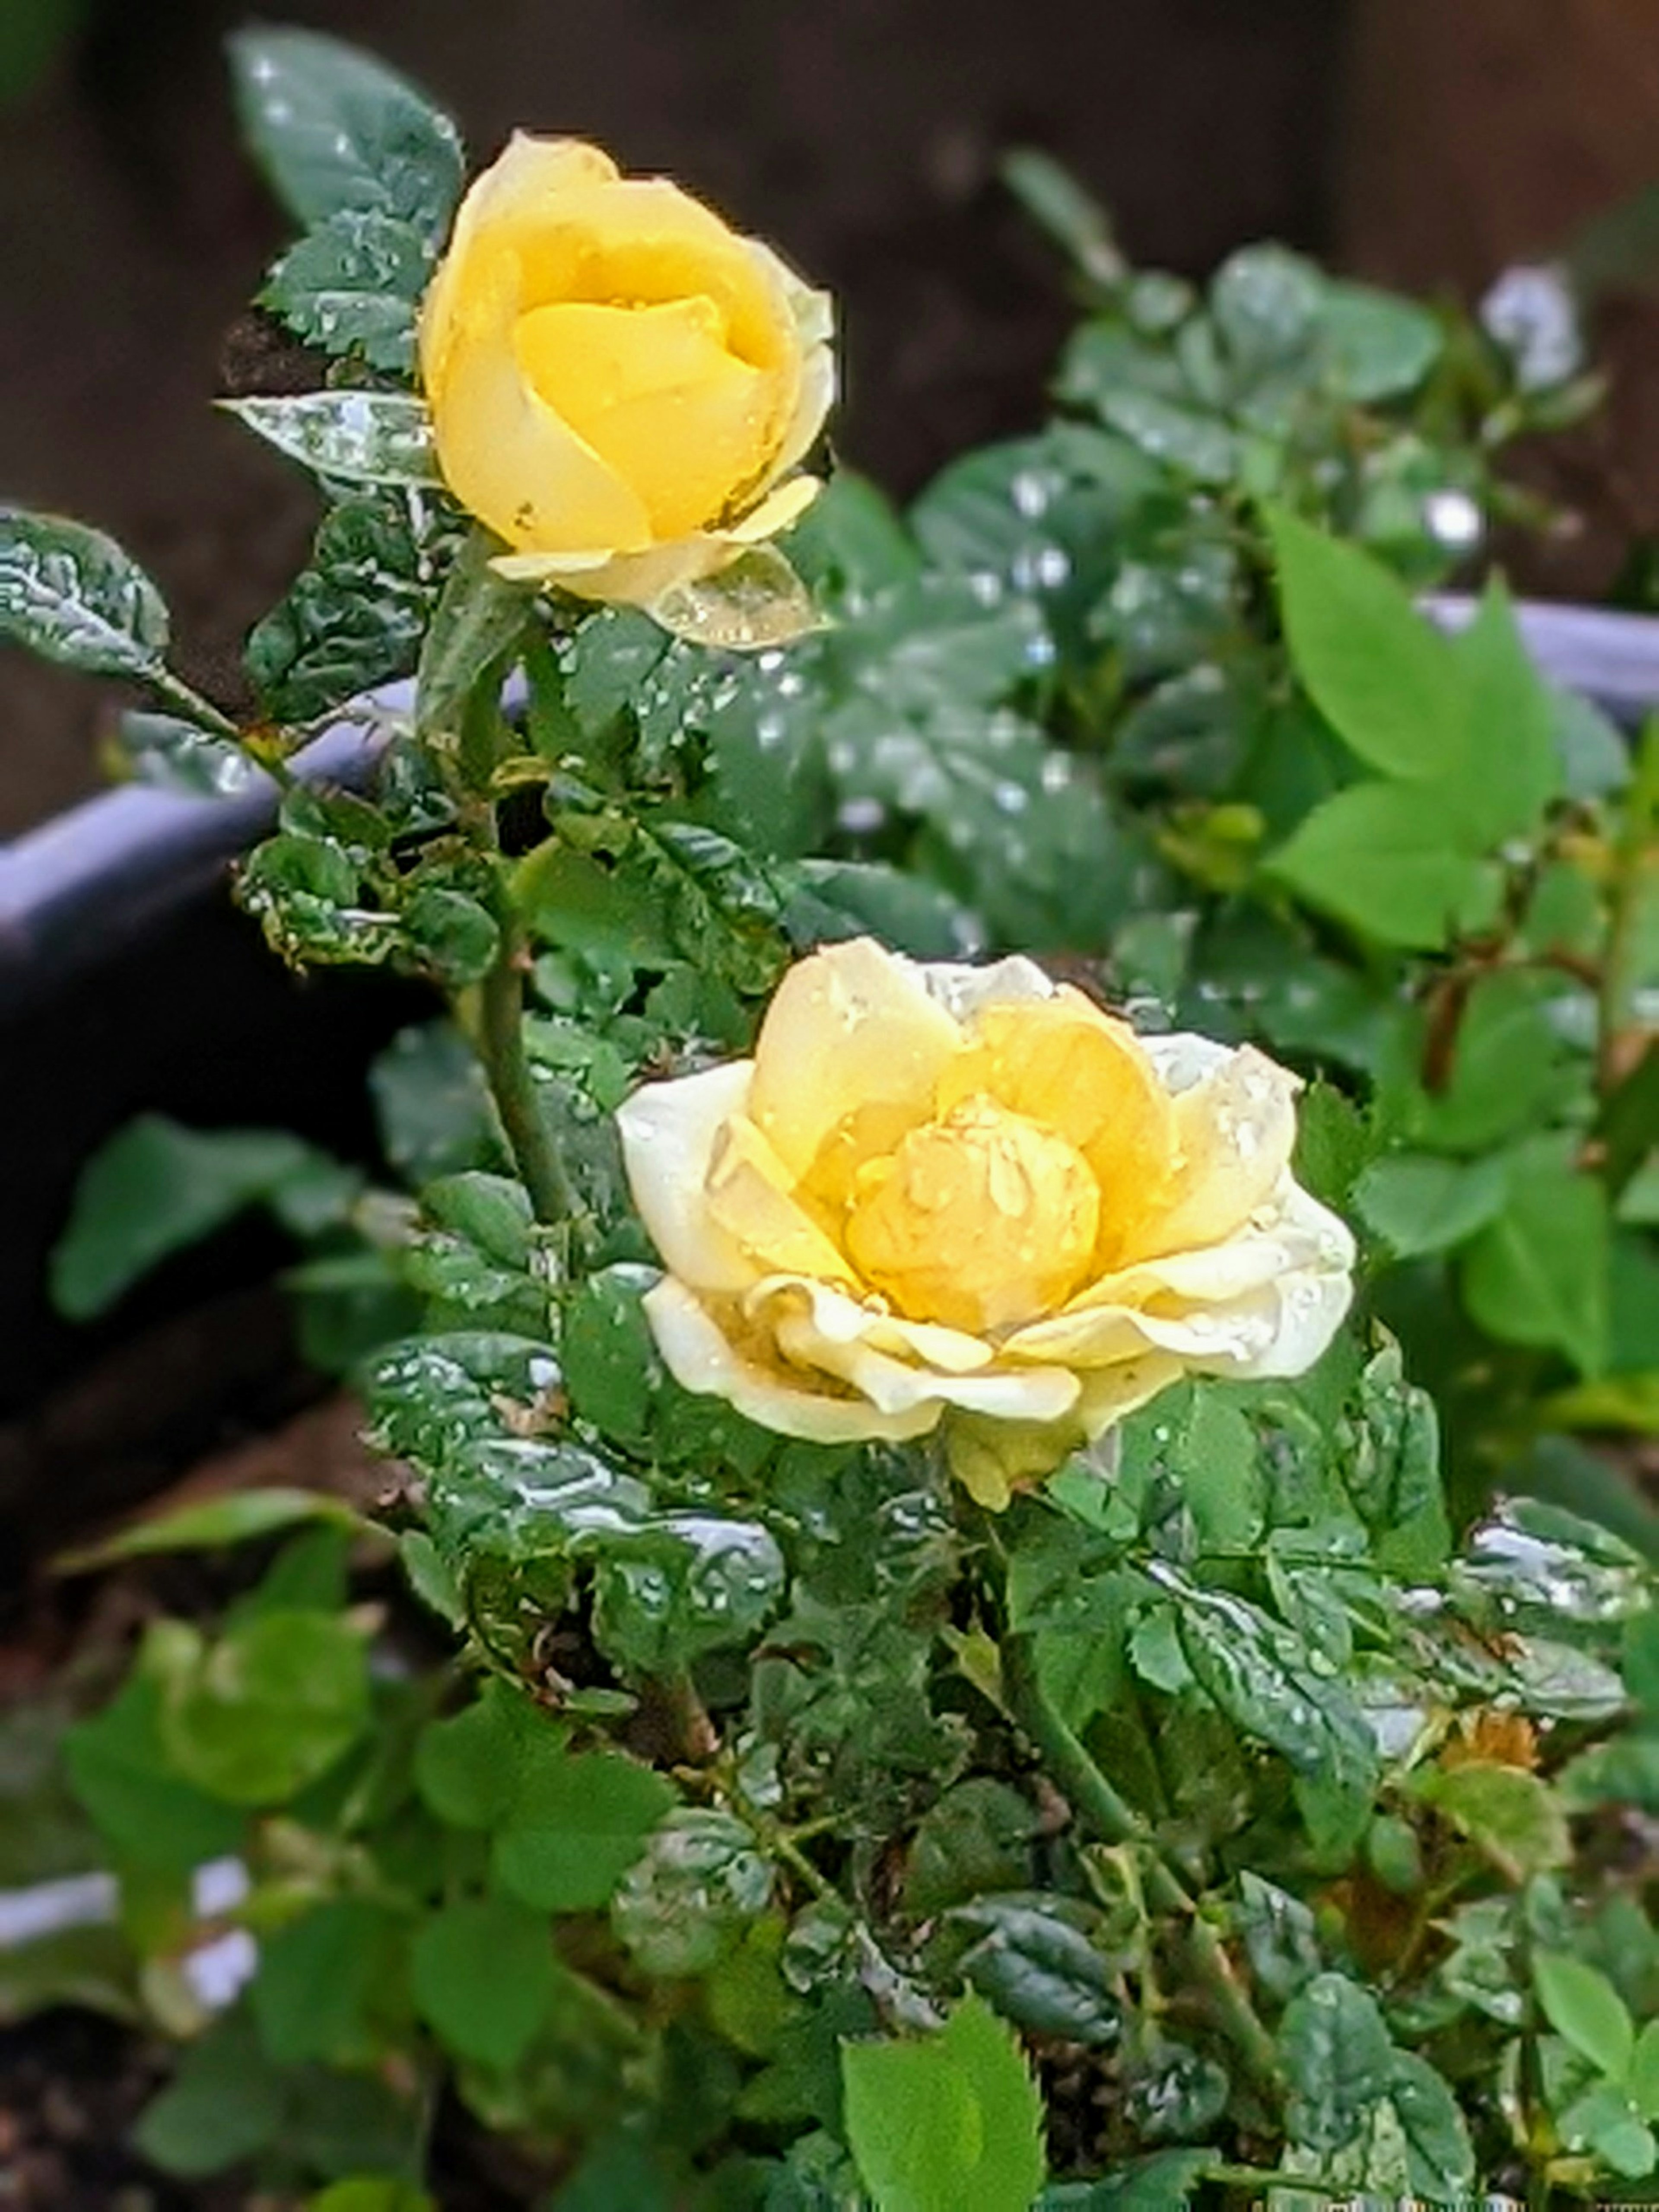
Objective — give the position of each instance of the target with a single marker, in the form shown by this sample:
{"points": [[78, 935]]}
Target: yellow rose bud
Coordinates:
{"points": [[942, 1193], [621, 387]]}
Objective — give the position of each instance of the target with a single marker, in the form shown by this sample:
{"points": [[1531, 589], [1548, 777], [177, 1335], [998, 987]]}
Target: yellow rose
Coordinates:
{"points": [[620, 385], [968, 1194]]}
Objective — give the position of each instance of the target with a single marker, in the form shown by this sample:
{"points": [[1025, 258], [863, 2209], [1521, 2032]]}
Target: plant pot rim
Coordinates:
{"points": [[86, 880]]}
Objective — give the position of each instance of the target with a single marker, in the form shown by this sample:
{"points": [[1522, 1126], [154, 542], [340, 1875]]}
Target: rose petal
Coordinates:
{"points": [[847, 1319], [851, 1029], [669, 1135], [700, 1358], [1034, 1394], [504, 452], [1236, 1128], [962, 990], [748, 1195], [514, 191], [656, 393]]}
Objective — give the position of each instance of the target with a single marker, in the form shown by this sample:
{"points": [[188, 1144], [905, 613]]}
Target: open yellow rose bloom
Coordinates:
{"points": [[621, 387], [968, 1194]]}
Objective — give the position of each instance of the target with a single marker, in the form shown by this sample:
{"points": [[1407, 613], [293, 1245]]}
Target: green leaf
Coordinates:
{"points": [[1538, 1274], [432, 1104], [1644, 2074], [610, 1363], [355, 616], [1381, 857], [1040, 1970], [478, 620], [1335, 1141], [352, 285], [257, 1716], [1418, 1202], [1437, 2146], [1602, 2121], [175, 756], [354, 437], [1509, 1069], [1214, 1457], [470, 1767], [1337, 2061], [1392, 1472], [1071, 214], [1509, 767], [686, 1902], [576, 1827], [680, 1584], [226, 2102], [484, 1975], [1279, 1936], [947, 2121], [157, 1187], [1513, 1816], [316, 1977], [1167, 2181], [572, 901], [150, 1816], [241, 1517], [371, 2193], [1384, 678], [976, 1838], [1265, 1680], [1381, 347], [1196, 444], [73, 596], [1580, 2003], [334, 129]]}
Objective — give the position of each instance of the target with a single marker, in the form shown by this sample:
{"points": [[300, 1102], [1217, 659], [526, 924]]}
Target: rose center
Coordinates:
{"points": [[979, 1219]]}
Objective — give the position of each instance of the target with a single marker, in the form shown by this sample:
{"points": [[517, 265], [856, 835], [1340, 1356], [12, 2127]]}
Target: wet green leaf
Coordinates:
{"points": [[687, 1900], [1040, 1969], [72, 595], [352, 285], [333, 129], [1337, 2061], [353, 437]]}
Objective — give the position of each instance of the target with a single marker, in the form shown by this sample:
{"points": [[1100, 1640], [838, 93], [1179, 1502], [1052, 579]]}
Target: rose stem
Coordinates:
{"points": [[500, 1037], [1099, 1806]]}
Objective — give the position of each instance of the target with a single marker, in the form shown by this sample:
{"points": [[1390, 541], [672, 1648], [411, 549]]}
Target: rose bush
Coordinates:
{"points": [[939, 1192], [622, 387]]}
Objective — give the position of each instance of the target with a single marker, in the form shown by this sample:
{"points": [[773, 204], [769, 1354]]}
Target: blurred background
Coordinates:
{"points": [[1424, 144]]}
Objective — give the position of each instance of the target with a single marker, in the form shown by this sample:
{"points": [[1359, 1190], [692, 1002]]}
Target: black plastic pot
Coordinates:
{"points": [[127, 984]]}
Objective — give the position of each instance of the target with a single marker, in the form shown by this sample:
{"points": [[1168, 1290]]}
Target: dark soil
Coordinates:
{"points": [[71, 2085], [862, 135]]}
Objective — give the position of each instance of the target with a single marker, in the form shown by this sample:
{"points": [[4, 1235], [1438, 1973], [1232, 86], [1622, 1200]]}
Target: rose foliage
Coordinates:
{"points": [[1005, 1301]]}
